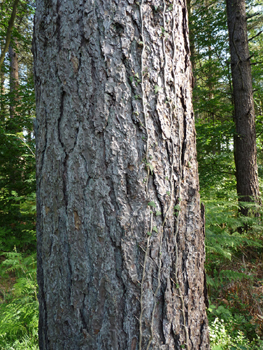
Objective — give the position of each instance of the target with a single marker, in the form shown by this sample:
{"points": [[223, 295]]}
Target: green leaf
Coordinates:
{"points": [[158, 213], [152, 204], [155, 229]]}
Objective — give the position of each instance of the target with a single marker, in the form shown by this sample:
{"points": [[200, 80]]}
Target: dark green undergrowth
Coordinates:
{"points": [[234, 273]]}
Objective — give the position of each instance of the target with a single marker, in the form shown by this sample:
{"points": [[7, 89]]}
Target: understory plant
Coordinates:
{"points": [[19, 304], [223, 336], [234, 249]]}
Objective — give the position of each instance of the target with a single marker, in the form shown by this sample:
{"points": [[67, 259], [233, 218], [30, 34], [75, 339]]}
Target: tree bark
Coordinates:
{"points": [[119, 230], [14, 77], [245, 137]]}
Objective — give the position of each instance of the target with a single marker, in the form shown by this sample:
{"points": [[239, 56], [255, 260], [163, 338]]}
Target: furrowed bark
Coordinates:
{"points": [[119, 229]]}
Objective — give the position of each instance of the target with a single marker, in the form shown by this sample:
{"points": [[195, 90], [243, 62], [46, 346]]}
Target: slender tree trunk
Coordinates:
{"points": [[245, 138], [9, 32], [119, 229], [2, 83], [14, 77], [2, 91]]}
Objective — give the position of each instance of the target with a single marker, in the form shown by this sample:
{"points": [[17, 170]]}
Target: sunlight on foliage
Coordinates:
{"points": [[222, 337]]}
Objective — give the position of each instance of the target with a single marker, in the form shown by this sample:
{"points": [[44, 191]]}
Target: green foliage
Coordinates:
{"points": [[215, 155], [224, 336], [212, 94], [233, 243], [227, 276], [19, 308], [230, 280], [223, 222], [18, 288], [26, 343], [17, 144]]}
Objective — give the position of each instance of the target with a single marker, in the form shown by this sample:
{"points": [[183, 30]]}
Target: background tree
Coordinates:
{"points": [[120, 238], [8, 32], [17, 173], [245, 137], [231, 258], [213, 93]]}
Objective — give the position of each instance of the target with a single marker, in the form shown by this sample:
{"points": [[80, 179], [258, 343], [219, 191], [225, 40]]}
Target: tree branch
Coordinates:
{"points": [[9, 32], [253, 15], [253, 37], [254, 63]]}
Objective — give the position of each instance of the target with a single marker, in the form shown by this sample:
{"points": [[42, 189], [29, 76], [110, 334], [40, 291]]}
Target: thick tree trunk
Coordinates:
{"points": [[245, 138], [119, 230]]}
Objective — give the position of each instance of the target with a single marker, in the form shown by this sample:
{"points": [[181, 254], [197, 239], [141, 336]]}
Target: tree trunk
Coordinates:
{"points": [[14, 77], [2, 81], [8, 32], [2, 93], [245, 137], [119, 230]]}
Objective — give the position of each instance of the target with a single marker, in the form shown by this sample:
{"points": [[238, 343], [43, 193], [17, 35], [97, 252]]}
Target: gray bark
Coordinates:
{"points": [[119, 229], [245, 138]]}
